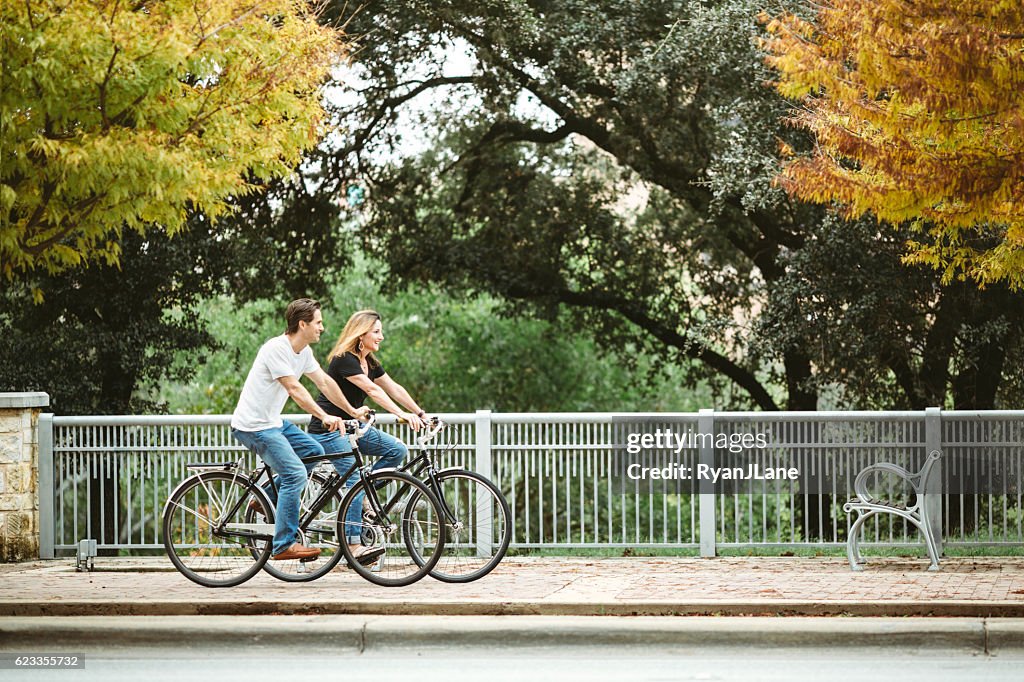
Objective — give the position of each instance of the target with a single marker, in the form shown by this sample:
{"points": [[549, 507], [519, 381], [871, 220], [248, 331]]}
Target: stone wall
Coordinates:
{"points": [[19, 475]]}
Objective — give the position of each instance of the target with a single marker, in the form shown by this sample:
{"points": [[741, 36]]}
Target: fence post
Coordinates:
{"points": [[933, 497], [707, 512], [484, 539], [46, 486]]}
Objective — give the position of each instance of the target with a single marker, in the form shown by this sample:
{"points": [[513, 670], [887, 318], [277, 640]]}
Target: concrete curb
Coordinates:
{"points": [[767, 607], [361, 633]]}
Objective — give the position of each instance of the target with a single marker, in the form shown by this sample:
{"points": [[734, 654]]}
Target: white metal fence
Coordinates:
{"points": [[106, 478]]}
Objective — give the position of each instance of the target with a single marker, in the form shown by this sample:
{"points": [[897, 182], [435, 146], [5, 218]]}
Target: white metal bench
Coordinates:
{"points": [[867, 506]]}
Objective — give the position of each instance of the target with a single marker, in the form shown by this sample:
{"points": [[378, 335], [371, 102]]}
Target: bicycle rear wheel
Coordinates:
{"points": [[383, 524], [206, 534], [477, 533], [319, 533]]}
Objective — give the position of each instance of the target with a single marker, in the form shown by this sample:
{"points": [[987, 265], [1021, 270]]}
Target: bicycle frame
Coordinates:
{"points": [[416, 467], [424, 461], [336, 482]]}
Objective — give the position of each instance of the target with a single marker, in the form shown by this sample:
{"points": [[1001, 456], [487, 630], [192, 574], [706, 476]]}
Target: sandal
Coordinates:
{"points": [[369, 555]]}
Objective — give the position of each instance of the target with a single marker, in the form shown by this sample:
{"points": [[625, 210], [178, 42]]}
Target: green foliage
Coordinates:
{"points": [[118, 326], [612, 163], [104, 329], [454, 354], [886, 335], [597, 159], [596, 168], [117, 117]]}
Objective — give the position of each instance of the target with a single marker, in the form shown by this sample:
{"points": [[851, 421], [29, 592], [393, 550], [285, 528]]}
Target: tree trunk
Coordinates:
{"points": [[974, 388], [105, 478], [813, 508]]}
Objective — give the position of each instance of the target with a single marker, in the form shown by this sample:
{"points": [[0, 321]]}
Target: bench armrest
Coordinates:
{"points": [[861, 482], [917, 481]]}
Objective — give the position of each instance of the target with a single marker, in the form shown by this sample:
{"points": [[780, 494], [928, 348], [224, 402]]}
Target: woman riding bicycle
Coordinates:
{"points": [[357, 371]]}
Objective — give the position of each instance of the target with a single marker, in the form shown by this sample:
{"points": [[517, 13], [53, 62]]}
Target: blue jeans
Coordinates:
{"points": [[389, 449], [280, 449]]}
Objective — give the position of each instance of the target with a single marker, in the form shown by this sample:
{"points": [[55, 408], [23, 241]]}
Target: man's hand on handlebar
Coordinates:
{"points": [[414, 421], [332, 423], [363, 413]]}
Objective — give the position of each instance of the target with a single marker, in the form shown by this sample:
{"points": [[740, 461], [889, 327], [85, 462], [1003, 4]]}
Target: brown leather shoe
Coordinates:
{"points": [[297, 551], [255, 506]]}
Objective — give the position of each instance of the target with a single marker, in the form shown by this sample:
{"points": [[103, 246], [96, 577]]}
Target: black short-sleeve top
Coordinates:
{"points": [[341, 368]]}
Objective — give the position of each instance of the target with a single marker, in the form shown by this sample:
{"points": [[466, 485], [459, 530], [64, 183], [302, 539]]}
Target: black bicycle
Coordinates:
{"points": [[219, 523], [477, 519], [475, 514]]}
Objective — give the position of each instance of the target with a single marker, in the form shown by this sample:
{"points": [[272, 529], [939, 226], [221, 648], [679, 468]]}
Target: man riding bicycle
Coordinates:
{"points": [[257, 423]]}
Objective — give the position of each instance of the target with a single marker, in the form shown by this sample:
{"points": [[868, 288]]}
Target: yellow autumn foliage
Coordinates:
{"points": [[120, 115]]}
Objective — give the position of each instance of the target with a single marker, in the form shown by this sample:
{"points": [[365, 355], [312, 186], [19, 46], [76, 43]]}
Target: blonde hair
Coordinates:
{"points": [[348, 342]]}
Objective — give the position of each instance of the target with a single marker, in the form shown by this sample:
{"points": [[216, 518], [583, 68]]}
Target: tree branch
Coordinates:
{"points": [[63, 230], [389, 104], [103, 88], [204, 36], [399, 100], [629, 310]]}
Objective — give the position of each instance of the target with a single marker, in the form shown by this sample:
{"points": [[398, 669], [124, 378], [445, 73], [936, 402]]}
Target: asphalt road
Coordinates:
{"points": [[494, 649], [498, 664]]}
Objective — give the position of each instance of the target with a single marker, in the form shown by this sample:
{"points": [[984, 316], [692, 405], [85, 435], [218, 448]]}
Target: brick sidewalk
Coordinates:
{"points": [[545, 586]]}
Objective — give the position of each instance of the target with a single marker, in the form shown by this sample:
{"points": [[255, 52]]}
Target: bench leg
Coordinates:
{"points": [[930, 544], [929, 540], [852, 551]]}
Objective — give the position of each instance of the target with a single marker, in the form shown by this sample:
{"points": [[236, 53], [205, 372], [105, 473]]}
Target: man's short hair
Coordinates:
{"points": [[300, 310]]}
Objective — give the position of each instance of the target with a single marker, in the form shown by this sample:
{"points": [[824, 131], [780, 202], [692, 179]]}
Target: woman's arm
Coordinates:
{"points": [[380, 397], [395, 389]]}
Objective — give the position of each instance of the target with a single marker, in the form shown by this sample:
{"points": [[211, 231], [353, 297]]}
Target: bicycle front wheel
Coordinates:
{"points": [[477, 523], [206, 534], [374, 516]]}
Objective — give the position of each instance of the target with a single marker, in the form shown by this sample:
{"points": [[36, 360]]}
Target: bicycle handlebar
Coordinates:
{"points": [[434, 426], [360, 428]]}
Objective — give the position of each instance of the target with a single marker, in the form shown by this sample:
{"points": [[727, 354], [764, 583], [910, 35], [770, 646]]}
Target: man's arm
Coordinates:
{"points": [[304, 400], [329, 387]]}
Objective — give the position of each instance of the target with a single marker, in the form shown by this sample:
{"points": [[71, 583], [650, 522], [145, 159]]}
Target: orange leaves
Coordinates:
{"points": [[917, 107]]}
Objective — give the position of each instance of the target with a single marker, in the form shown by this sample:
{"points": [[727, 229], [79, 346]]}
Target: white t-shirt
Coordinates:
{"points": [[263, 397]]}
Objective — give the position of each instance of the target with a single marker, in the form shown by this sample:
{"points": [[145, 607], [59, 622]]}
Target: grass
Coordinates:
{"points": [[771, 551]]}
